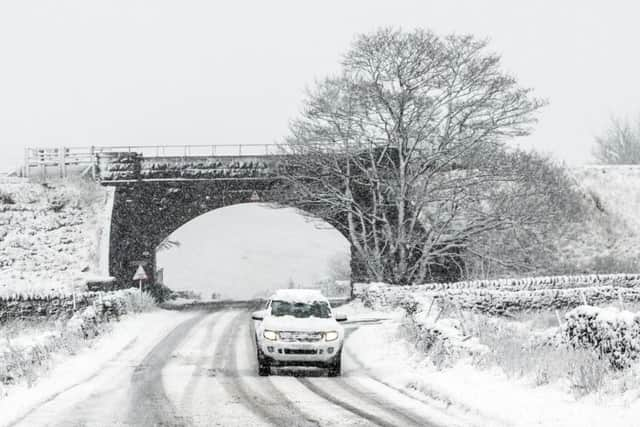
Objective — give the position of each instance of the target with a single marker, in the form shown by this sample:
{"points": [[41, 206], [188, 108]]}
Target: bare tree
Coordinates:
{"points": [[620, 143], [406, 147]]}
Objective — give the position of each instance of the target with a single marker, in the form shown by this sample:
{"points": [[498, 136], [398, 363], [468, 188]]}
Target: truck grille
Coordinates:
{"points": [[293, 336], [298, 351]]}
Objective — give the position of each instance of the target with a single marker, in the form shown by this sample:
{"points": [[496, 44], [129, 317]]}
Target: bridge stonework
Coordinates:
{"points": [[155, 196]]}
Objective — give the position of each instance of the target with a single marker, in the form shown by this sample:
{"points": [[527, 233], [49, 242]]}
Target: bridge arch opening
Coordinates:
{"points": [[245, 250]]}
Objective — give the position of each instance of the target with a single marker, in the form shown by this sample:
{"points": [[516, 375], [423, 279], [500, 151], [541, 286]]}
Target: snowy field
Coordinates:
{"points": [[609, 240], [617, 188]]}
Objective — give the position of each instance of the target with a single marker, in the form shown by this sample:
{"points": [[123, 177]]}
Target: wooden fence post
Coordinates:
{"points": [[430, 306], [26, 162], [558, 318], [94, 162], [61, 161], [620, 298], [42, 158]]}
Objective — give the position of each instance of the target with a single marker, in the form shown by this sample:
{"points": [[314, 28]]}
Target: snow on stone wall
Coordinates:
{"points": [[64, 306], [509, 296]]}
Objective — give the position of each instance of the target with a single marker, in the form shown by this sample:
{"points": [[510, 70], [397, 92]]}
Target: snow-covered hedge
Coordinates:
{"points": [[613, 333]]}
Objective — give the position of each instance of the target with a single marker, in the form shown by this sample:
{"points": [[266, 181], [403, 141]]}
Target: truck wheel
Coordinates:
{"points": [[335, 369], [264, 369]]}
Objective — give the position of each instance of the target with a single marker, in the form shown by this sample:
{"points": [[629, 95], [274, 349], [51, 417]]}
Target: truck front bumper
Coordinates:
{"points": [[279, 353]]}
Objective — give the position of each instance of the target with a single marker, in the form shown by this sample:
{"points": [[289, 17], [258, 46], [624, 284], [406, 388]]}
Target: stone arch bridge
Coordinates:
{"points": [[157, 192]]}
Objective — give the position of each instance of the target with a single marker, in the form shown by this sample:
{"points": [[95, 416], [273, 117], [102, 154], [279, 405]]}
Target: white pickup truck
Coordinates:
{"points": [[298, 328]]}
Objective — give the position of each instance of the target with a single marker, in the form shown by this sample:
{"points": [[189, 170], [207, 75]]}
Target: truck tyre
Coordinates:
{"points": [[264, 369], [335, 368]]}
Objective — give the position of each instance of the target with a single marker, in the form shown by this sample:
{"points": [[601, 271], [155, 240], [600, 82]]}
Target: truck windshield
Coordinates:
{"points": [[300, 309]]}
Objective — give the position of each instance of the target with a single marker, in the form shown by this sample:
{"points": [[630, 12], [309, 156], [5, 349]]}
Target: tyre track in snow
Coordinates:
{"points": [[399, 415], [149, 402], [277, 409], [344, 404], [392, 415], [404, 417], [195, 379]]}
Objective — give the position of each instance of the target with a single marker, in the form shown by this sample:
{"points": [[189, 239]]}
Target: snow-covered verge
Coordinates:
{"points": [[49, 234], [494, 370], [127, 341], [29, 346]]}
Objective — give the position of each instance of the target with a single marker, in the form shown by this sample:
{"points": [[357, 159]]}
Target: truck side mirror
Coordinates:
{"points": [[257, 315]]}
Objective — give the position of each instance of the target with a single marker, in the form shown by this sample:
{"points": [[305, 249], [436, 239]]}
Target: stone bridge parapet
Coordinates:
{"points": [[126, 166]]}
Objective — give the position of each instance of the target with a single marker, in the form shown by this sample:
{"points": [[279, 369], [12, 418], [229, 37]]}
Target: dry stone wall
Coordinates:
{"points": [[509, 296], [109, 304]]}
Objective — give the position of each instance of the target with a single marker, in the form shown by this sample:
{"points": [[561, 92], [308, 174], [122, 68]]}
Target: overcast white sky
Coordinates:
{"points": [[205, 72]]}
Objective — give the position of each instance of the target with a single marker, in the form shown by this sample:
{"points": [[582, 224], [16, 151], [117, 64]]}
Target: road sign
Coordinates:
{"points": [[255, 197], [140, 274]]}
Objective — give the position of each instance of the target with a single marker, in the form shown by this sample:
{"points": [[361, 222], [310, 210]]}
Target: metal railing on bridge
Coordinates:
{"points": [[59, 161]]}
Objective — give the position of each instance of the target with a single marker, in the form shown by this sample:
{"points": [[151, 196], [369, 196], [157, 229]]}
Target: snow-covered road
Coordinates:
{"points": [[203, 372]]}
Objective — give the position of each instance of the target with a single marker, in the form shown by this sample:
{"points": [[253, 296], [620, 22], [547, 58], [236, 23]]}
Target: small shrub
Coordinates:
{"points": [[410, 305], [135, 304], [160, 292], [56, 202], [6, 198]]}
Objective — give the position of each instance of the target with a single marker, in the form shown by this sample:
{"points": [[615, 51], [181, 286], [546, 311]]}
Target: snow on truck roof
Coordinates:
{"points": [[298, 295]]}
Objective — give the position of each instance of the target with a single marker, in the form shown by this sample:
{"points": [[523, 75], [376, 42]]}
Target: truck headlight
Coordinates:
{"points": [[331, 336], [270, 335]]}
